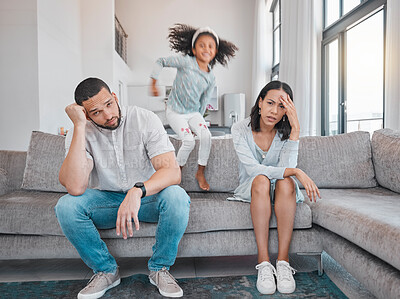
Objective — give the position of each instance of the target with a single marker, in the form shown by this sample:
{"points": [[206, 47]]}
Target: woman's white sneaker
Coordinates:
{"points": [[284, 277], [266, 278]]}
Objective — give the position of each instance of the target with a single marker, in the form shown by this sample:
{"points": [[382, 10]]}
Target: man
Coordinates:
{"points": [[132, 166]]}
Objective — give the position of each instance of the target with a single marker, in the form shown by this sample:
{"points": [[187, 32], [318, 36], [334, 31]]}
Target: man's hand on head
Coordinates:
{"points": [[77, 114], [128, 210]]}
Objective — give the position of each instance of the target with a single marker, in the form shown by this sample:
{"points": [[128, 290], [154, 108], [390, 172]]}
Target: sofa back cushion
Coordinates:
{"points": [[44, 158], [340, 161], [12, 166], [386, 158], [46, 154], [222, 171]]}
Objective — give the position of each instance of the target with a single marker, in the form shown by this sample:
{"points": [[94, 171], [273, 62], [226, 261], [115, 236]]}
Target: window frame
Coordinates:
{"points": [[275, 67], [337, 30]]}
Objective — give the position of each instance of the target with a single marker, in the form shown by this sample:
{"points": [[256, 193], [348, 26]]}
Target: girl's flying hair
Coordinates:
{"points": [[180, 40]]}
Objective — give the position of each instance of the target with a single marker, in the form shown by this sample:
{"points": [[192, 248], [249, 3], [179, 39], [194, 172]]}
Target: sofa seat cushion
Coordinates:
{"points": [[29, 213], [212, 212], [32, 213], [368, 218]]}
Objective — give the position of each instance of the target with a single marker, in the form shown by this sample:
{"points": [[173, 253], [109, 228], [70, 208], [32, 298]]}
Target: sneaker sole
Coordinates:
{"points": [[287, 291], [173, 295], [265, 291], [101, 293]]}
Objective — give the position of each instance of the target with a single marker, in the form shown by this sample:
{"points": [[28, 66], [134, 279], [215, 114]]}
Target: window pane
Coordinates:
{"points": [[349, 5], [332, 11], [277, 45], [365, 75], [332, 88]]}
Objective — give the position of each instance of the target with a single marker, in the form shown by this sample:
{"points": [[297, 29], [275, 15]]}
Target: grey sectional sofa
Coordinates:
{"points": [[357, 221]]}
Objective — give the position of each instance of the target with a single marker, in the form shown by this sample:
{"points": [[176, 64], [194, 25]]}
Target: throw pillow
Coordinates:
{"points": [[44, 159]]}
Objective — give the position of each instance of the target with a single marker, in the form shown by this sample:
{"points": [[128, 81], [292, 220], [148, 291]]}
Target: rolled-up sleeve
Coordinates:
{"points": [[156, 140], [247, 159]]}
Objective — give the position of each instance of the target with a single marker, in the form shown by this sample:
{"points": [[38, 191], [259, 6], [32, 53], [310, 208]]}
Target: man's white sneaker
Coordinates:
{"points": [[99, 284], [284, 277], [166, 283], [266, 279]]}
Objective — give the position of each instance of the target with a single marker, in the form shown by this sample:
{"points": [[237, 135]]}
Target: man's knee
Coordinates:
{"points": [[70, 206], [65, 208], [175, 200], [261, 184]]}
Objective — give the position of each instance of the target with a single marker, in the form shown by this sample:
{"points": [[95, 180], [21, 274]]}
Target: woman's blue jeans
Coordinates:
{"points": [[81, 216]]}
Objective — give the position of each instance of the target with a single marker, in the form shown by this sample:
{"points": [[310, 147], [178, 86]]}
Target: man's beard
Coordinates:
{"points": [[108, 127]]}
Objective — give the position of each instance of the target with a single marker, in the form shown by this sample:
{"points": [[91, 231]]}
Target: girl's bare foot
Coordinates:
{"points": [[202, 179]]}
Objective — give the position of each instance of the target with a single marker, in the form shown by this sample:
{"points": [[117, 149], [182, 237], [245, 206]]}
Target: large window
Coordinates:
{"points": [[335, 9], [353, 66], [276, 11]]}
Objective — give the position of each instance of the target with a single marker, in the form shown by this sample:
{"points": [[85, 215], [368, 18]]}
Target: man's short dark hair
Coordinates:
{"points": [[89, 88]]}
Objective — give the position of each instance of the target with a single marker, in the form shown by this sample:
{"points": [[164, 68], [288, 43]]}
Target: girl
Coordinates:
{"points": [[267, 146], [192, 87]]}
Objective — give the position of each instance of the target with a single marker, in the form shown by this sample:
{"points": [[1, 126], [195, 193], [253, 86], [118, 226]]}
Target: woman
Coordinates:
{"points": [[267, 146]]}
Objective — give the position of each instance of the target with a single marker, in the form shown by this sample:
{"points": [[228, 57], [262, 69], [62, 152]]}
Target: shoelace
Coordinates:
{"points": [[264, 271], [96, 276], [166, 276], [285, 271]]}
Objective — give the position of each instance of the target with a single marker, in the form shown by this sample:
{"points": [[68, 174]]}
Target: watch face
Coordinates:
{"points": [[139, 185]]}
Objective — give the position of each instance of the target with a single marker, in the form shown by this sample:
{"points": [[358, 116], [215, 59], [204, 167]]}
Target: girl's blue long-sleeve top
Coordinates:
{"points": [[192, 87]]}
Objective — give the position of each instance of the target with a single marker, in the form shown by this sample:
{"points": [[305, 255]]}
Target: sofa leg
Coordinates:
{"points": [[318, 257]]}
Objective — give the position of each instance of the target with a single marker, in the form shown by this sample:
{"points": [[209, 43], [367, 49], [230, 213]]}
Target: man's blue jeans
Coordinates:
{"points": [[80, 216]]}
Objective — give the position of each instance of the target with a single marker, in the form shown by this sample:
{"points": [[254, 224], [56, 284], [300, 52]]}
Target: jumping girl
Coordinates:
{"points": [[192, 88], [267, 146]]}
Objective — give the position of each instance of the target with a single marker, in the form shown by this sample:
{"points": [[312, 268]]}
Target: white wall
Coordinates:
{"points": [[60, 60], [98, 53], [147, 23], [18, 73], [122, 75], [47, 47], [97, 19]]}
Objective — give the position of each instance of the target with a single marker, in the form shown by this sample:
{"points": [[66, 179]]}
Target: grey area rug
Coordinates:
{"points": [[308, 285]]}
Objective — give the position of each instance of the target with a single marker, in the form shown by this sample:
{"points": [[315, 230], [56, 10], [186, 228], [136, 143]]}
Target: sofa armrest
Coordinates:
{"points": [[12, 166]]}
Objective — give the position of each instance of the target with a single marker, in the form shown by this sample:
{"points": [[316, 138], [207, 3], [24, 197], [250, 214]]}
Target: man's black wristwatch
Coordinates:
{"points": [[141, 186]]}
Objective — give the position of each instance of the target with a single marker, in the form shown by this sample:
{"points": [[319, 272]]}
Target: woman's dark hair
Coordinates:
{"points": [[180, 40], [283, 127], [89, 88]]}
